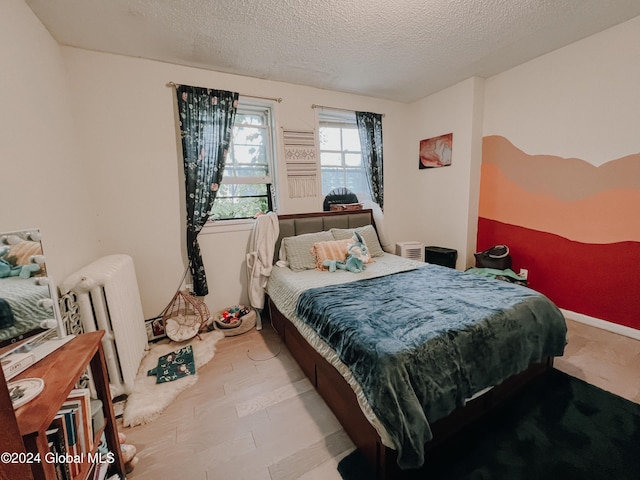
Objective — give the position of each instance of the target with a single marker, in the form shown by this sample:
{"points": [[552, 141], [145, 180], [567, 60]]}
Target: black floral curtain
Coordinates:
{"points": [[370, 129], [206, 121]]}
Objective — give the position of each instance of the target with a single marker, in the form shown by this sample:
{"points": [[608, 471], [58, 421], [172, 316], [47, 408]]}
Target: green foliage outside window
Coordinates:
{"points": [[239, 201]]}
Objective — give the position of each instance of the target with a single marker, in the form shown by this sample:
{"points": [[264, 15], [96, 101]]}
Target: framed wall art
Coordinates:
{"points": [[155, 329], [435, 152]]}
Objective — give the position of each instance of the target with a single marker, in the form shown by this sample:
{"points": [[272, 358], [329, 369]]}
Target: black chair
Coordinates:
{"points": [[339, 195]]}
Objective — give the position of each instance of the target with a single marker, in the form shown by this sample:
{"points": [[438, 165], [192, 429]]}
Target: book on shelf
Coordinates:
{"points": [[57, 466], [72, 437], [107, 458], [52, 438], [57, 435], [80, 400], [15, 363], [74, 422], [91, 474], [101, 471]]}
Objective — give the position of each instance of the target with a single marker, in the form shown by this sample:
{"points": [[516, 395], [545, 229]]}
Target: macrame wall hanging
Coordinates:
{"points": [[184, 317], [301, 159]]}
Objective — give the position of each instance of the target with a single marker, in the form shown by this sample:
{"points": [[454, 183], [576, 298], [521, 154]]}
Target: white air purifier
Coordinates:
{"points": [[412, 250]]}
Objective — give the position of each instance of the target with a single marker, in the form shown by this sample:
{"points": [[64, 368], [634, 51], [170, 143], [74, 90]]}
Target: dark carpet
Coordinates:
{"points": [[559, 427]]}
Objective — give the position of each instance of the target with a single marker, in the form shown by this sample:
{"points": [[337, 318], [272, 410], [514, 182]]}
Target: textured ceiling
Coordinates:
{"points": [[395, 49]]}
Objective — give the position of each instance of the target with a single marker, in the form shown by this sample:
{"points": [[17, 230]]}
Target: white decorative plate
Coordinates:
{"points": [[25, 390]]}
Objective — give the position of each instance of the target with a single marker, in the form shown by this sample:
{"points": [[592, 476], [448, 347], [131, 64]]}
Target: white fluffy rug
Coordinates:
{"points": [[148, 399]]}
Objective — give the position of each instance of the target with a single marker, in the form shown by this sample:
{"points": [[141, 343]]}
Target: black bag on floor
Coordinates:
{"points": [[495, 257]]}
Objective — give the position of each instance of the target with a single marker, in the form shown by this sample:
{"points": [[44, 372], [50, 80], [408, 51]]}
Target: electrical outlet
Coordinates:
{"points": [[524, 273]]}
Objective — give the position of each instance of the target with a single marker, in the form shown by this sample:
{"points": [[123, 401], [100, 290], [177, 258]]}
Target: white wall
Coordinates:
{"points": [[581, 101], [110, 177], [446, 199], [127, 123], [43, 170]]}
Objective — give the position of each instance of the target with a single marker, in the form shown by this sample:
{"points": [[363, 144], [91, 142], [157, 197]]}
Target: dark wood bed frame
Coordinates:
{"points": [[337, 393]]}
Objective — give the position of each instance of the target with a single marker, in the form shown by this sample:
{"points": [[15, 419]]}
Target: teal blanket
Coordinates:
{"points": [[421, 342]]}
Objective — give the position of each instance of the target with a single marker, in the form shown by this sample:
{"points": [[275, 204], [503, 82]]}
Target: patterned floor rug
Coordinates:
{"points": [[149, 399]]}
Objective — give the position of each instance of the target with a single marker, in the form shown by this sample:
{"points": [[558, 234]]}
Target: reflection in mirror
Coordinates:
{"points": [[24, 289], [28, 302]]}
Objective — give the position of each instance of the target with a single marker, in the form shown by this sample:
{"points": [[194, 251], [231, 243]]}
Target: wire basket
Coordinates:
{"points": [[184, 317]]}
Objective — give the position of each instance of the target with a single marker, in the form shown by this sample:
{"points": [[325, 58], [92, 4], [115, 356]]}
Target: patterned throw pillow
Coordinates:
{"points": [[331, 250]]}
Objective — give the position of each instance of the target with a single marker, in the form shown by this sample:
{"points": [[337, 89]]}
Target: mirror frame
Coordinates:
{"points": [[41, 278]]}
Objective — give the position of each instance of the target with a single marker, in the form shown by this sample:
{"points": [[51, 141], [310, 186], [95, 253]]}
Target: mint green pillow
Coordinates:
{"points": [[297, 250]]}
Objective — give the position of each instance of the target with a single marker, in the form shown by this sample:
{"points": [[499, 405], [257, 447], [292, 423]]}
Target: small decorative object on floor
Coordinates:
{"points": [[174, 365], [184, 317], [25, 390], [232, 317], [235, 320]]}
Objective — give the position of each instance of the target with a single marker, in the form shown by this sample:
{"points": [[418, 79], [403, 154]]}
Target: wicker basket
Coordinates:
{"points": [[184, 317]]}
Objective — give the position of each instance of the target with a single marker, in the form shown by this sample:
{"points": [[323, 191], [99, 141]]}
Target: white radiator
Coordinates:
{"points": [[108, 299]]}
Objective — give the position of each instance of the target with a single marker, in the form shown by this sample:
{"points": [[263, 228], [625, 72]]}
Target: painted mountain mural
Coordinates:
{"points": [[573, 225]]}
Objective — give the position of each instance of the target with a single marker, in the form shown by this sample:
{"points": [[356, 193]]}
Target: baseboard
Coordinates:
{"points": [[602, 324]]}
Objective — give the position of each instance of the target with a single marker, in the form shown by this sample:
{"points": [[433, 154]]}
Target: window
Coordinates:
{"points": [[340, 153], [247, 186]]}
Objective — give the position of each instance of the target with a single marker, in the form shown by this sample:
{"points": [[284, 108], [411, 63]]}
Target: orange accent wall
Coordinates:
{"points": [[604, 217]]}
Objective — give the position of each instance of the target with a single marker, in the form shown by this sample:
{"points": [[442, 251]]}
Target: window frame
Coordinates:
{"points": [[342, 121], [248, 106]]}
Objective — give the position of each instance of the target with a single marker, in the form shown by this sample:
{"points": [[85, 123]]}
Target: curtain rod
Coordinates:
{"points": [[313, 105], [274, 99]]}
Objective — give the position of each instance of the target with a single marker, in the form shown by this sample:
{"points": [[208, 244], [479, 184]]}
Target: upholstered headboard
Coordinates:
{"points": [[300, 223]]}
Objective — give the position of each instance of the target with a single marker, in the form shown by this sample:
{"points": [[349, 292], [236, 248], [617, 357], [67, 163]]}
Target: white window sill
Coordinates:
{"points": [[225, 226]]}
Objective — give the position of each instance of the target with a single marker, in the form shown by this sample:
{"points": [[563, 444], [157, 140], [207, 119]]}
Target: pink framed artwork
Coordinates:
{"points": [[435, 152]]}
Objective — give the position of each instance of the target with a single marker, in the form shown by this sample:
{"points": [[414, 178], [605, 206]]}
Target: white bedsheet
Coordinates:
{"points": [[285, 286]]}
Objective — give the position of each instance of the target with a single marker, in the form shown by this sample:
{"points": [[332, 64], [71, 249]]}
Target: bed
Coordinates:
{"points": [[404, 353]]}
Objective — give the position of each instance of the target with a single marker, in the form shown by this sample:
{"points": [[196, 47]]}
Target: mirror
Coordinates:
{"points": [[28, 301]]}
